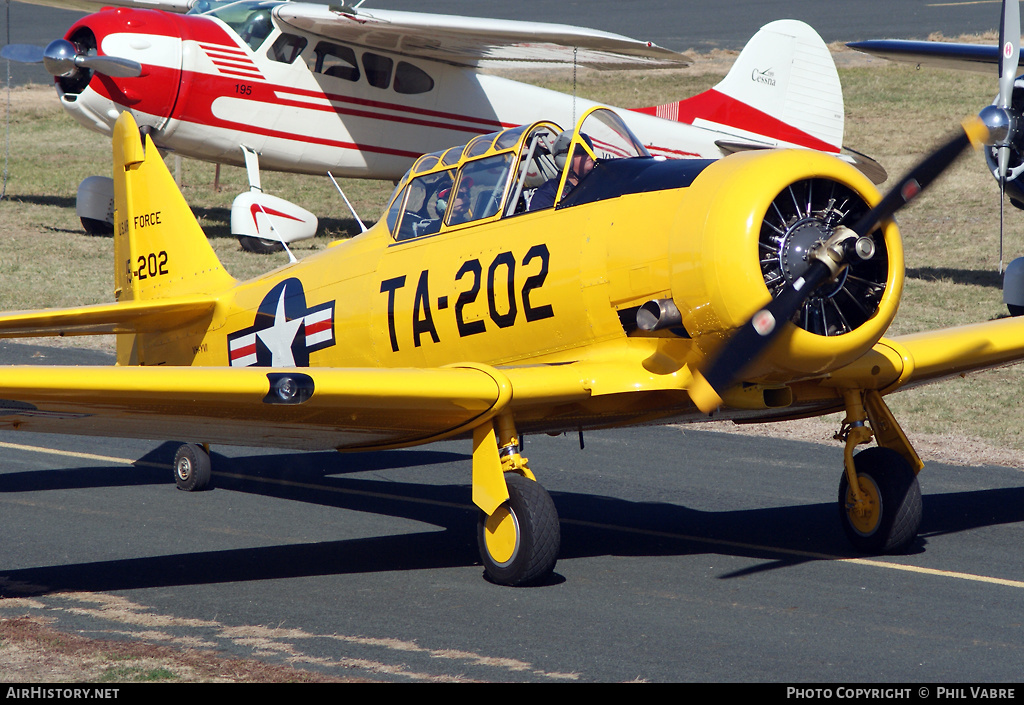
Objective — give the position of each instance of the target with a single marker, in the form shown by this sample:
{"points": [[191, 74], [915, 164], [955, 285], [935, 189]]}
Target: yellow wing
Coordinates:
{"points": [[319, 408], [919, 358], [301, 409]]}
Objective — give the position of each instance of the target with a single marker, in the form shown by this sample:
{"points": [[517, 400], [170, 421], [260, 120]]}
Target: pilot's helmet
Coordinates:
{"points": [[560, 149]]}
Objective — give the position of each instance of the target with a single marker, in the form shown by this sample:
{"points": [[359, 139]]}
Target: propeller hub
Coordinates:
{"points": [[59, 57], [795, 254], [999, 123]]}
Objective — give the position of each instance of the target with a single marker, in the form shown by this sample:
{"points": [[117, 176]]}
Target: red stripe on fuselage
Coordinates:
{"points": [[724, 110]]}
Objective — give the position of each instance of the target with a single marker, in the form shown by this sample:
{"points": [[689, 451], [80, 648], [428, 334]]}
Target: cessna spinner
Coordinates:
{"points": [[301, 87], [758, 286]]}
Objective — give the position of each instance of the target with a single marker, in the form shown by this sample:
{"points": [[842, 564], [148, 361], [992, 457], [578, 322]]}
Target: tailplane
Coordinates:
{"points": [[782, 91]]}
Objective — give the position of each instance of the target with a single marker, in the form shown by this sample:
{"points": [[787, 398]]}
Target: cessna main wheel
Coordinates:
{"points": [[259, 245], [519, 543], [192, 468], [893, 512]]}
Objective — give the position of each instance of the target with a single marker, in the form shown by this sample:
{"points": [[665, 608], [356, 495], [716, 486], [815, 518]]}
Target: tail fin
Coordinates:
{"points": [[160, 251], [783, 90]]}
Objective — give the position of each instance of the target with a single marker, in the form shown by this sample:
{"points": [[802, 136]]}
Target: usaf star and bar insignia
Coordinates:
{"points": [[285, 331]]}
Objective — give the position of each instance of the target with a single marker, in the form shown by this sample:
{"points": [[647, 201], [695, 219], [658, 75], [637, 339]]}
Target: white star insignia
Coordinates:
{"points": [[279, 337]]}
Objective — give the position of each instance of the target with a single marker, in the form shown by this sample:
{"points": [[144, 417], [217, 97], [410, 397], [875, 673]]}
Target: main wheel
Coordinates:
{"points": [[93, 226], [259, 245], [893, 514], [519, 543], [192, 468]]}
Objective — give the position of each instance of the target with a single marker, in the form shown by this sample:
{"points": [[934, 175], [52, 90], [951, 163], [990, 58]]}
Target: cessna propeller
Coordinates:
{"points": [[1003, 123], [835, 251], [62, 58]]}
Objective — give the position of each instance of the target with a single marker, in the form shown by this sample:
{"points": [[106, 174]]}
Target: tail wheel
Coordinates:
{"points": [[519, 542], [892, 516], [192, 468]]}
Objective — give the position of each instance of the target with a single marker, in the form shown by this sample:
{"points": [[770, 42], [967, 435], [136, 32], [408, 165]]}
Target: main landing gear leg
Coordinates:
{"points": [[517, 532], [192, 467], [879, 496]]}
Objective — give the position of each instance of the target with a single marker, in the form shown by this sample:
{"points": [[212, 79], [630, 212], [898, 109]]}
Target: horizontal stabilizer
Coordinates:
{"points": [[105, 319]]}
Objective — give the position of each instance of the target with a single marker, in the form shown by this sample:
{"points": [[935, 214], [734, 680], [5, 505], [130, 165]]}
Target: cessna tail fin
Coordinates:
{"points": [[159, 249], [783, 90]]}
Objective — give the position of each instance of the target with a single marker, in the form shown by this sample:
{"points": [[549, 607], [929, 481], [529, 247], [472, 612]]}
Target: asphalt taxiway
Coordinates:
{"points": [[687, 555]]}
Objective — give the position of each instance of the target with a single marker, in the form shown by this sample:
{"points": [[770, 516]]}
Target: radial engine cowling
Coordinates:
{"points": [[743, 232]]}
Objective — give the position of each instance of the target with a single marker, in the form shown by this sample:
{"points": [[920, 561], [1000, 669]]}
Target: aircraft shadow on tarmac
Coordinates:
{"points": [[592, 525]]}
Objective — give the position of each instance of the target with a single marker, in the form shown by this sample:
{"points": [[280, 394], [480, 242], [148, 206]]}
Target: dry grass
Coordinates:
{"points": [[33, 652]]}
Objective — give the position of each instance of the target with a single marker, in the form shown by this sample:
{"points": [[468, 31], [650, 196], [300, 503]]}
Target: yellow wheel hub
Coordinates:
{"points": [[501, 535], [864, 517]]}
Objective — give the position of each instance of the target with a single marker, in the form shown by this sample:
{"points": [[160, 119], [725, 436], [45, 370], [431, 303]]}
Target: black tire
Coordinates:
{"points": [[97, 227], [192, 468], [1015, 310], [530, 516], [896, 499], [259, 245]]}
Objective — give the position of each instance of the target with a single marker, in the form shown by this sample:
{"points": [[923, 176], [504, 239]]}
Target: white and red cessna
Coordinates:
{"points": [[307, 88]]}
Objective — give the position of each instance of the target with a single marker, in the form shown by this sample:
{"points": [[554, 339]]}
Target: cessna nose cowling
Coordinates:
{"points": [[746, 230], [95, 92]]}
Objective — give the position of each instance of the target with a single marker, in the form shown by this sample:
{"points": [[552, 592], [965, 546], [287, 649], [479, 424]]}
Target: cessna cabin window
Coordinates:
{"points": [[256, 29], [250, 19], [410, 79], [287, 48], [378, 69], [336, 61]]}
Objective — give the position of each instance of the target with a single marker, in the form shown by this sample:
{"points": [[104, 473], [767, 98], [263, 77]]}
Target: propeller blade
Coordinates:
{"points": [[1009, 48], [754, 337], [111, 66], [61, 58], [22, 53]]}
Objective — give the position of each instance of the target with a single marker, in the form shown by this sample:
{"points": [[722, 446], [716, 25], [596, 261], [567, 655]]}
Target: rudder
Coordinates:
{"points": [[159, 249]]}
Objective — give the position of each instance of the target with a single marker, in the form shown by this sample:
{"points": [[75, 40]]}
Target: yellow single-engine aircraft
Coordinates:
{"points": [[753, 287]]}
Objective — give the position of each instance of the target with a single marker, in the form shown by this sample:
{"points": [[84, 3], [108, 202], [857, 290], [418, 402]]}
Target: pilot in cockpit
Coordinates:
{"points": [[580, 166]]}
